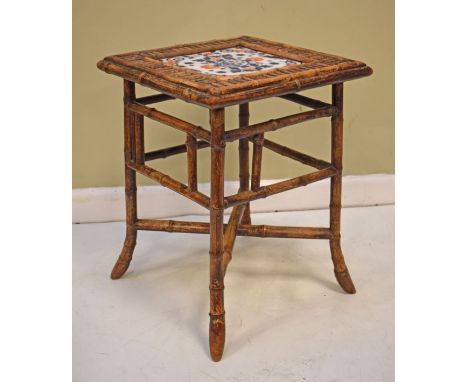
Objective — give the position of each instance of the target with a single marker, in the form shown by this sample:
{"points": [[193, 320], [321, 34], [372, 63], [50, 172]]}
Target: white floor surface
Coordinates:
{"points": [[286, 317]]}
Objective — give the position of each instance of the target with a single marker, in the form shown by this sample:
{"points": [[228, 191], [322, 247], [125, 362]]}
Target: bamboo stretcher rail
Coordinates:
{"points": [[276, 188], [305, 101], [155, 98], [169, 120], [242, 230], [230, 234], [167, 181], [275, 124], [174, 150], [296, 155]]}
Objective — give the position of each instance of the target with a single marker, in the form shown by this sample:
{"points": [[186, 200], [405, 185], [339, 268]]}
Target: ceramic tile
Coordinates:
{"points": [[230, 61]]}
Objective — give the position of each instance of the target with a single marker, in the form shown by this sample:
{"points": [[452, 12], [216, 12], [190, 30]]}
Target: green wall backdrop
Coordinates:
{"points": [[358, 29]]}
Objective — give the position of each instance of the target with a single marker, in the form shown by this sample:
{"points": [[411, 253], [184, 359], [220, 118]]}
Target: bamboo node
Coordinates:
{"points": [[217, 315], [259, 139], [215, 91], [141, 76], [170, 226], [191, 143], [219, 147], [163, 180], [303, 182], [216, 285], [186, 93], [147, 111]]}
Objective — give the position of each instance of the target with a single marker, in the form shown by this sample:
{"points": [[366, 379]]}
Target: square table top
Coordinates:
{"points": [[225, 72]]}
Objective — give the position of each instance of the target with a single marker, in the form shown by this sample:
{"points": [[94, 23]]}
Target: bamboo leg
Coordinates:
{"points": [[130, 120], [341, 271], [191, 144], [256, 161], [244, 159], [217, 329], [139, 142]]}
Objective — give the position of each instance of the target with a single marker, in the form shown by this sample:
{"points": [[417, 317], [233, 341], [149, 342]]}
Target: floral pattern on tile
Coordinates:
{"points": [[230, 61]]}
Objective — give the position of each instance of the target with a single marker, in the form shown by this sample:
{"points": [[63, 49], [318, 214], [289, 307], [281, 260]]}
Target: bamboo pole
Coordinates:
{"points": [[284, 232], [167, 181], [125, 257], [296, 155], [230, 234], [262, 231], [174, 150], [305, 101], [244, 159], [275, 188], [199, 47], [256, 162], [155, 98], [217, 330], [341, 271], [139, 139], [191, 144], [171, 121], [279, 123]]}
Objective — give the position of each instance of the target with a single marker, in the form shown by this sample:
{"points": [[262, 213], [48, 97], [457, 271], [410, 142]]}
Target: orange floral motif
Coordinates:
{"points": [[208, 66]]}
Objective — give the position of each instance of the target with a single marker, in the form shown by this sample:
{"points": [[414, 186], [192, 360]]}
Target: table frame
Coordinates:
{"points": [[222, 236]]}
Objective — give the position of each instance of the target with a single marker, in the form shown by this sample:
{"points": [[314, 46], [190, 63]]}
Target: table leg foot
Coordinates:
{"points": [[125, 257], [217, 336], [341, 271]]}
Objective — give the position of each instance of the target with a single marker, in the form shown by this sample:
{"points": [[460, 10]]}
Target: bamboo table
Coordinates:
{"points": [[217, 74]]}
